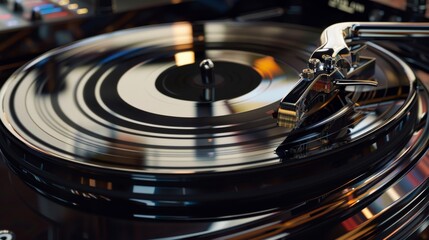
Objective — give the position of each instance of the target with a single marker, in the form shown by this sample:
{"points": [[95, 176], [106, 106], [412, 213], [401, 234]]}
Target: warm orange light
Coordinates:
{"points": [[182, 33], [82, 11], [73, 6], [63, 2], [184, 58], [367, 213], [267, 67], [92, 182]]}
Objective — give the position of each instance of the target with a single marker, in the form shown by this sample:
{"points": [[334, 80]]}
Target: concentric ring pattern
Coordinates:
{"points": [[118, 120]]}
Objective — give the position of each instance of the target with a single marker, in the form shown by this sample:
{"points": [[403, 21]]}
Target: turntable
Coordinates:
{"points": [[220, 130]]}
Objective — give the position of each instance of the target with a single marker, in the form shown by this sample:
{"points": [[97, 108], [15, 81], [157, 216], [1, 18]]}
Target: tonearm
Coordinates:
{"points": [[338, 63]]}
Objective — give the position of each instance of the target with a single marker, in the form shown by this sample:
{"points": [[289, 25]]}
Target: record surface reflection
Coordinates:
{"points": [[120, 122]]}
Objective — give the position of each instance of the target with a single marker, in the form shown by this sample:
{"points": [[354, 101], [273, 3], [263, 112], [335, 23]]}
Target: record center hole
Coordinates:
{"points": [[231, 80]]}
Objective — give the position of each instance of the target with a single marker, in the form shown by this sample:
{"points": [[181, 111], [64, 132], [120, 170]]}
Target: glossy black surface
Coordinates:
{"points": [[109, 96], [50, 199], [101, 98], [85, 126], [231, 80]]}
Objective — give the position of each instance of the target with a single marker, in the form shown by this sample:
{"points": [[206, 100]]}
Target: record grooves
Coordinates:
{"points": [[121, 124]]}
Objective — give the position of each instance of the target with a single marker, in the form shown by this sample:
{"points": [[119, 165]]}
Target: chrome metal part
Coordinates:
{"points": [[336, 38], [307, 73], [314, 64], [206, 68], [208, 79], [339, 63]]}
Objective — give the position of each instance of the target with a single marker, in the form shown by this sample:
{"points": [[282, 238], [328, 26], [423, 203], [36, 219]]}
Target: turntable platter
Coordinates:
{"points": [[122, 116]]}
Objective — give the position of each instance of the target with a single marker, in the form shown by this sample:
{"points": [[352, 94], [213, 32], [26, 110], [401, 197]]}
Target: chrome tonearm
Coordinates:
{"points": [[336, 64]]}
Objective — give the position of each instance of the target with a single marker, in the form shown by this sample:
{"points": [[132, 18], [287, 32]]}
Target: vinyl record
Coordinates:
{"points": [[122, 120]]}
